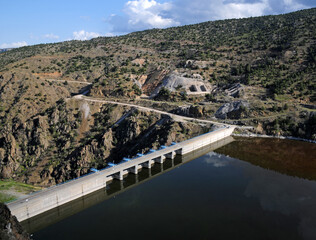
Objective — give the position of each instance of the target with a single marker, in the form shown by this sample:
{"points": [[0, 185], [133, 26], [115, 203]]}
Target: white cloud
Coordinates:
{"points": [[150, 13], [143, 14], [204, 10], [83, 35], [13, 45], [146, 14], [51, 36], [291, 5], [241, 10]]}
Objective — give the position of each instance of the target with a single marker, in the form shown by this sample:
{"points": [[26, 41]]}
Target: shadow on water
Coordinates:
{"points": [[290, 157], [114, 188]]}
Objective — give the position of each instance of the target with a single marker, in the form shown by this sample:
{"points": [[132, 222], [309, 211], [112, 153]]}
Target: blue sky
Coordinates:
{"points": [[29, 22]]}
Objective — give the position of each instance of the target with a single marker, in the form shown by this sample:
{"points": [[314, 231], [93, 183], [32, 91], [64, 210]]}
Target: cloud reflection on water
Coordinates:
{"points": [[288, 195], [218, 160]]}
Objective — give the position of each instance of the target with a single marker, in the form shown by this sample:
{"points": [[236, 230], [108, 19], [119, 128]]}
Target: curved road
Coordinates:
{"points": [[175, 117]]}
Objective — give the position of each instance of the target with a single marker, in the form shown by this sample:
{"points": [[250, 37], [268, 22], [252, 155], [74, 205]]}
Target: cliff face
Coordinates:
{"points": [[65, 141], [121, 132], [10, 228], [28, 146]]}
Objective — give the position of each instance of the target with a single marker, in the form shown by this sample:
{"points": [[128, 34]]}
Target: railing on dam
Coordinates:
{"points": [[58, 195]]}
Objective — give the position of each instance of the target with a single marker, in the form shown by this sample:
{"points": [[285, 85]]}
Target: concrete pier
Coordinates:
{"points": [[56, 196], [54, 215]]}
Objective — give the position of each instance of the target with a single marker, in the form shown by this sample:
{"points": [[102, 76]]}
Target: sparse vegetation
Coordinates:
{"points": [[10, 190], [267, 61]]}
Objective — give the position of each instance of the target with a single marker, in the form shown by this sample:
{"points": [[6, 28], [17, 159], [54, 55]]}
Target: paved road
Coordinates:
{"points": [[147, 109], [175, 117]]}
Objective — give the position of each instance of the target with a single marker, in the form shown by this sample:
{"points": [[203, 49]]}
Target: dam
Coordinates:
{"points": [[115, 188], [56, 196]]}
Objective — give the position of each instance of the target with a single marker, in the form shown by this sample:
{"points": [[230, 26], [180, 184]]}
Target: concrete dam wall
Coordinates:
{"points": [[115, 188], [58, 195]]}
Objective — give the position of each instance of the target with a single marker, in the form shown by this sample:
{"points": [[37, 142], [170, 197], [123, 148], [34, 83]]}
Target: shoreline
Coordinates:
{"points": [[250, 135]]}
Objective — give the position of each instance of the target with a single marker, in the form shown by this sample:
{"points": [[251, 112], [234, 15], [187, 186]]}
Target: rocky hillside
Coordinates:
{"points": [[10, 228], [66, 140], [256, 71], [276, 53]]}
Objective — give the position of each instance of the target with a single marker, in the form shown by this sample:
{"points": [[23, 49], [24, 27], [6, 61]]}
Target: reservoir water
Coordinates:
{"points": [[247, 189]]}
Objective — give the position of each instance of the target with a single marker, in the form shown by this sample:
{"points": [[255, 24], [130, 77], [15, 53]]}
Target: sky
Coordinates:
{"points": [[29, 22]]}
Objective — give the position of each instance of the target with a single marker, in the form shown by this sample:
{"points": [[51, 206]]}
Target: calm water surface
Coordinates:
{"points": [[248, 189]]}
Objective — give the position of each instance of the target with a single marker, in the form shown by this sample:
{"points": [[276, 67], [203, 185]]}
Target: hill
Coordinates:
{"points": [[256, 71]]}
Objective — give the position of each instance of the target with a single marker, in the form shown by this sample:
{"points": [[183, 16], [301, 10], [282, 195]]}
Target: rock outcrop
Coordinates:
{"points": [[26, 147], [190, 111], [52, 147], [10, 228], [233, 110], [236, 90], [189, 84]]}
